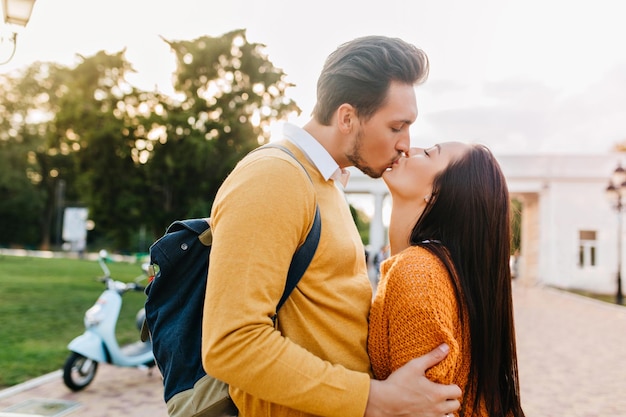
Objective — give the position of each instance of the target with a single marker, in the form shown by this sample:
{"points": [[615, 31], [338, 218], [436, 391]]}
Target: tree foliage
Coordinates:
{"points": [[32, 157], [137, 159], [228, 94]]}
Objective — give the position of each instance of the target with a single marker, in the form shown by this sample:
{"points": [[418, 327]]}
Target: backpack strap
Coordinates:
{"points": [[303, 256], [301, 259]]}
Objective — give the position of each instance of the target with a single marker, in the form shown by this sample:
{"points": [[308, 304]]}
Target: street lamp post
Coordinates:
{"points": [[16, 12], [615, 192]]}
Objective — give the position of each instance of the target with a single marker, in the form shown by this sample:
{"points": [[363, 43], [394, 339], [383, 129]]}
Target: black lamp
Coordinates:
{"points": [[615, 191]]}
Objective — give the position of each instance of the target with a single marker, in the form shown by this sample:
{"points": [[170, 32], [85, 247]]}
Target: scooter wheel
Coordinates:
{"points": [[79, 371]]}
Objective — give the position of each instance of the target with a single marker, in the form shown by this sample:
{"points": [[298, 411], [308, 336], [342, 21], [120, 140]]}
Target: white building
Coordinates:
{"points": [[569, 229]]}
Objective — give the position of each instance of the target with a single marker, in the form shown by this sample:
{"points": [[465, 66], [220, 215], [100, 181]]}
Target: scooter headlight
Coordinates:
{"points": [[94, 315]]}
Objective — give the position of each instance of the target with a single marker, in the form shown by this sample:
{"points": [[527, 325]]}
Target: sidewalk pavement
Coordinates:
{"points": [[114, 392], [571, 353]]}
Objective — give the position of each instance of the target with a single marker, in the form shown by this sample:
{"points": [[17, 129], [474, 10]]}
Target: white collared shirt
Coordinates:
{"points": [[316, 153]]}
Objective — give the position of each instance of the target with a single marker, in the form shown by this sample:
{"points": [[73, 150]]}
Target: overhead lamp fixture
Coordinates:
{"points": [[16, 12]]}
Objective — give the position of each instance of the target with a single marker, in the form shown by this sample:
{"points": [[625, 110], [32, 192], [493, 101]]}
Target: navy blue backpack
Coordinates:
{"points": [[174, 306]]}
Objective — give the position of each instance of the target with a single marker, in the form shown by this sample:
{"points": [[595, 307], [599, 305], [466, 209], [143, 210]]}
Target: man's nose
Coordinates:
{"points": [[404, 144]]}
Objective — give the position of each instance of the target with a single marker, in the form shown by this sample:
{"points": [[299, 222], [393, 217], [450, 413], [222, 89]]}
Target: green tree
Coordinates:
{"points": [[20, 200], [516, 226], [228, 93], [362, 222], [137, 160], [93, 123], [34, 161]]}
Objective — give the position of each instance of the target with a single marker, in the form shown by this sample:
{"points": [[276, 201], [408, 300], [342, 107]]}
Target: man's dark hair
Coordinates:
{"points": [[359, 73]]}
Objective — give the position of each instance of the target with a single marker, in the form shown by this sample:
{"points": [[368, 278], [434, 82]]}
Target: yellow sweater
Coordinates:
{"points": [[315, 362], [414, 311]]}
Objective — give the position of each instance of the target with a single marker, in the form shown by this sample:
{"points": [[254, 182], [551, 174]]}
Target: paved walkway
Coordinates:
{"points": [[115, 392], [571, 351]]}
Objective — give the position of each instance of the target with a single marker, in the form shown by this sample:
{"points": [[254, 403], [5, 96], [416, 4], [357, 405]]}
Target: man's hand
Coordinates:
{"points": [[407, 391]]}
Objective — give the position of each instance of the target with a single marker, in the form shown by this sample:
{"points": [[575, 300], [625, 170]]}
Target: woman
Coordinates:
{"points": [[448, 277]]}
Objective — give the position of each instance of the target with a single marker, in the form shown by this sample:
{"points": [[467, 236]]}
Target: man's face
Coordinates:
{"points": [[381, 140]]}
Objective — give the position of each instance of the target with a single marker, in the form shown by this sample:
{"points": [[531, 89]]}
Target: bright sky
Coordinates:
{"points": [[522, 76]]}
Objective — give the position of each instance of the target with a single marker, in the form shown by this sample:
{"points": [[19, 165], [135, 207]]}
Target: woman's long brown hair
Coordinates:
{"points": [[469, 214]]}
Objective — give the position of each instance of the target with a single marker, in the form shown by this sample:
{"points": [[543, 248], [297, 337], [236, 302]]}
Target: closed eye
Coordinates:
{"points": [[401, 127], [436, 147]]}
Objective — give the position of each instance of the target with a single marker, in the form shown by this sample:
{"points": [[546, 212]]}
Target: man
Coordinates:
{"points": [[314, 360]]}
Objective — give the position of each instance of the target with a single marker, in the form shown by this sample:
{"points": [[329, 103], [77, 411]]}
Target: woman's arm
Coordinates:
{"points": [[423, 313]]}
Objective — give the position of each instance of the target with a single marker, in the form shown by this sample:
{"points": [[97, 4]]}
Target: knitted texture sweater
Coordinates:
{"points": [[414, 311], [315, 362]]}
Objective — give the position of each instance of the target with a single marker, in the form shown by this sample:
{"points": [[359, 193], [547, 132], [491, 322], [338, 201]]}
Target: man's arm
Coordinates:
{"points": [[407, 391], [259, 217]]}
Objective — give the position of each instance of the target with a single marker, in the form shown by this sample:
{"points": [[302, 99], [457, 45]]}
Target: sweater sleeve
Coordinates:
{"points": [[422, 311], [261, 215]]}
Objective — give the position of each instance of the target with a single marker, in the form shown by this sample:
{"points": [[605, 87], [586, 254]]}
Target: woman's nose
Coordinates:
{"points": [[413, 152]]}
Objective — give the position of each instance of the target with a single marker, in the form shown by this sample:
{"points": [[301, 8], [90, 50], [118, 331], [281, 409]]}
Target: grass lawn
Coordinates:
{"points": [[42, 303]]}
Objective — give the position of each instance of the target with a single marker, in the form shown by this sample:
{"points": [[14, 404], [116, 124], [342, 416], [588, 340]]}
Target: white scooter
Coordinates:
{"points": [[98, 343]]}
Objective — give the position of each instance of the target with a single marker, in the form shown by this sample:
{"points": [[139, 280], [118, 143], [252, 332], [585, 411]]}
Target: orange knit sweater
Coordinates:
{"points": [[414, 311]]}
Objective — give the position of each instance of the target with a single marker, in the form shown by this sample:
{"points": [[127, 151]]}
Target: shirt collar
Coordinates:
{"points": [[316, 153], [341, 175]]}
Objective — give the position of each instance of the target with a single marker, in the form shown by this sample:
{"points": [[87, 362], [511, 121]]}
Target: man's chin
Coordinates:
{"points": [[370, 172]]}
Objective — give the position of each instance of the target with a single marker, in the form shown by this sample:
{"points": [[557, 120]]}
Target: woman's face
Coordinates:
{"points": [[412, 177]]}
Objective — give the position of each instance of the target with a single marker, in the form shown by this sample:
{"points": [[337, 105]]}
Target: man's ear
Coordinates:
{"points": [[346, 118]]}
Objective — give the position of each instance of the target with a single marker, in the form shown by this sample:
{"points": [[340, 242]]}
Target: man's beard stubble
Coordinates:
{"points": [[357, 161]]}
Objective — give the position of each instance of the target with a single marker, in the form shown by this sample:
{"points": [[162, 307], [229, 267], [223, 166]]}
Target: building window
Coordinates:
{"points": [[587, 248]]}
